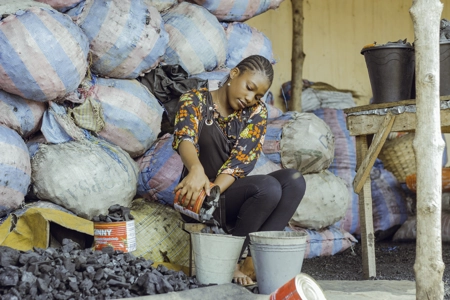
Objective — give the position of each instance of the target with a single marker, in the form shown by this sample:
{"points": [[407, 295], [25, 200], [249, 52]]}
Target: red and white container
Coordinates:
{"points": [[119, 235], [198, 211], [301, 287]]}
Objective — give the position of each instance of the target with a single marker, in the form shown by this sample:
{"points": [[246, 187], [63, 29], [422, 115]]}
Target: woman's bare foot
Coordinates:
{"points": [[247, 267], [240, 278]]}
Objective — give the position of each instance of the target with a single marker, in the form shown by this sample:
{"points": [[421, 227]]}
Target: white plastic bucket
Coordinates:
{"points": [[216, 256], [277, 257]]}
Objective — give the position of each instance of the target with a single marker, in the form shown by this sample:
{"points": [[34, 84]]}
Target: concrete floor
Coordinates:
{"points": [[333, 289], [369, 289]]}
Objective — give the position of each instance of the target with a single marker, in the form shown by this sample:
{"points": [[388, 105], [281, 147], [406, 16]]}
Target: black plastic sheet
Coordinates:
{"points": [[167, 83]]}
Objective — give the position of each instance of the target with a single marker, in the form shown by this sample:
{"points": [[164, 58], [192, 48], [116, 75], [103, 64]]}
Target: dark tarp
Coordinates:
{"points": [[167, 83]]}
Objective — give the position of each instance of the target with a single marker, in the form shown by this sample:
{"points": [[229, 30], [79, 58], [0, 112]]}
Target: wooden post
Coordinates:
{"points": [[295, 104], [428, 146], [365, 214]]}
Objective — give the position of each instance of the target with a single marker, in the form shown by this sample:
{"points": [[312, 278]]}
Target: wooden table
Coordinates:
{"points": [[377, 121]]}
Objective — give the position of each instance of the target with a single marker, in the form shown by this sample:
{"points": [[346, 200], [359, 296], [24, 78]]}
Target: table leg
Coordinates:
{"points": [[365, 214]]}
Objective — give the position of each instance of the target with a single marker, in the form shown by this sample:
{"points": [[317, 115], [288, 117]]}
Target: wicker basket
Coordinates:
{"points": [[398, 156]]}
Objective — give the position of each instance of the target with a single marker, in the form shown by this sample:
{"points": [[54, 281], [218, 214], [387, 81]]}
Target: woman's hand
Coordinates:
{"points": [[191, 186]]}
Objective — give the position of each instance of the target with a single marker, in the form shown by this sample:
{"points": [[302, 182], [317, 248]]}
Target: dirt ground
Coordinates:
{"points": [[394, 261]]}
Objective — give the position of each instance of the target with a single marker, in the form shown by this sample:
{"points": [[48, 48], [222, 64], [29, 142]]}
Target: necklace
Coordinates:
{"points": [[218, 105]]}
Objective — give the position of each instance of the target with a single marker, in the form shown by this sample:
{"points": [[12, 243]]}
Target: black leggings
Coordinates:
{"points": [[263, 202]]}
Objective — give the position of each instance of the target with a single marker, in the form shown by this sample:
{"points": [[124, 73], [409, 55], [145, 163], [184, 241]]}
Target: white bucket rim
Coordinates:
{"points": [[277, 248], [228, 236], [278, 237]]}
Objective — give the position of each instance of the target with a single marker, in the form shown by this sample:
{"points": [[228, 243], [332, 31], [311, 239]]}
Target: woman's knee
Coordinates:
{"points": [[292, 180], [267, 189], [298, 179]]}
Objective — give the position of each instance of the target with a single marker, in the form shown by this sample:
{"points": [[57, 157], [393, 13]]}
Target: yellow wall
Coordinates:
{"points": [[334, 33]]}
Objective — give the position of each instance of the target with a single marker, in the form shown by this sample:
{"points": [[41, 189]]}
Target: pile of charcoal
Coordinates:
{"points": [[73, 273], [116, 213], [444, 32]]}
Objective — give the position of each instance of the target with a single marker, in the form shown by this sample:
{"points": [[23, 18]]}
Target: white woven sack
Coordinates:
{"points": [[61, 5], [243, 41], [126, 38], [84, 177], [132, 114], [215, 78], [408, 231], [8, 7], [264, 166], [237, 10], [324, 203], [22, 115], [44, 54], [307, 144], [161, 5], [313, 99], [15, 169], [159, 233], [197, 40]]}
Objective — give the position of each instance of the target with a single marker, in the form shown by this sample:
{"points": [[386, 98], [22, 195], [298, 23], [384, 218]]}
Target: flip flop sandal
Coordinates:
{"points": [[253, 288], [248, 286]]}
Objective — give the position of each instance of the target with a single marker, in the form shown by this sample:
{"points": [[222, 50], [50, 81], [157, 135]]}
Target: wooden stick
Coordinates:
{"points": [[372, 154], [295, 104]]}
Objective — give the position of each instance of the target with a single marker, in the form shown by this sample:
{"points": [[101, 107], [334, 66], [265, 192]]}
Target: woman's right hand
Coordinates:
{"points": [[192, 185]]}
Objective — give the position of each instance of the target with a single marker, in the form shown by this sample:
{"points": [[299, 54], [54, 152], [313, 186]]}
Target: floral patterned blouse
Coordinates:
{"points": [[248, 144]]}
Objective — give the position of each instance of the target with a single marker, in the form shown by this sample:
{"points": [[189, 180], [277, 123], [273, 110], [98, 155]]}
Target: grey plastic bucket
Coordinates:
{"points": [[391, 71], [444, 71], [444, 58], [277, 257], [216, 256]]}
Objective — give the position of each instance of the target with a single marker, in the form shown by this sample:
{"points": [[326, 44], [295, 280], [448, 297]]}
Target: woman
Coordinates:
{"points": [[219, 136]]}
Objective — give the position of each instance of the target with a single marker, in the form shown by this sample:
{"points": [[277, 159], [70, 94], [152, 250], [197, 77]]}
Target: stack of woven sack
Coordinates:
{"points": [[80, 129], [389, 200], [70, 78], [305, 142]]}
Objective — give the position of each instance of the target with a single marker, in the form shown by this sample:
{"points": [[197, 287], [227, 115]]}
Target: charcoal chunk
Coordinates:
{"points": [[108, 250], [42, 285], [9, 277], [86, 284], [8, 256], [25, 257]]}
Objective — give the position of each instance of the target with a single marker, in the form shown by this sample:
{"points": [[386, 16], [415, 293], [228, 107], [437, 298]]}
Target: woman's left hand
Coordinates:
{"points": [[191, 186]]}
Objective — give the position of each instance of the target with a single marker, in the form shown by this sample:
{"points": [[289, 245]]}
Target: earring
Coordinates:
{"points": [[229, 84]]}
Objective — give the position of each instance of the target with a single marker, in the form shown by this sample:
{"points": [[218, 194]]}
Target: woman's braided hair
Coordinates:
{"points": [[257, 63]]}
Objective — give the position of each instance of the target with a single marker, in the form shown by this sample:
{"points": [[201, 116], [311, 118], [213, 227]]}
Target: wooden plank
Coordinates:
{"points": [[378, 106], [365, 215], [370, 124], [193, 227], [374, 149], [387, 105]]}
